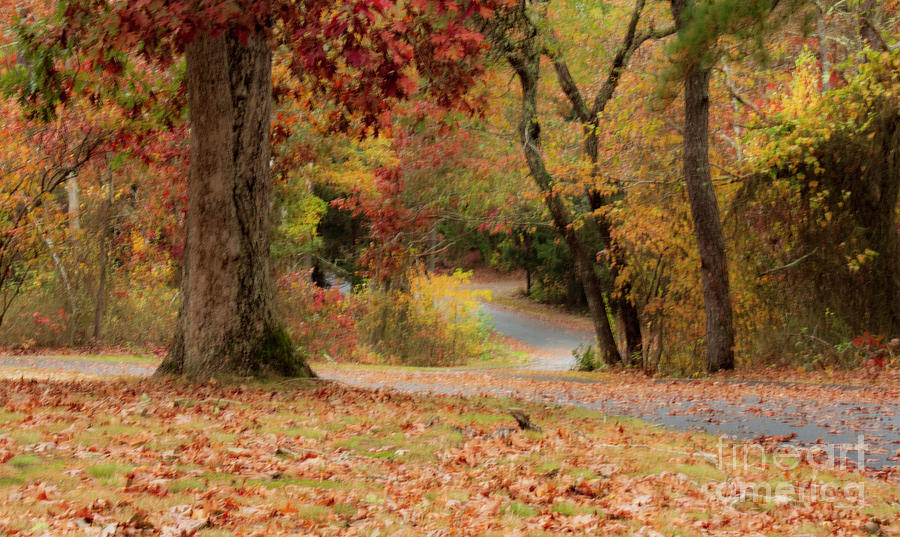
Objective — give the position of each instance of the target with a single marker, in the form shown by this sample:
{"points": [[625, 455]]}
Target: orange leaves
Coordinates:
{"points": [[331, 460]]}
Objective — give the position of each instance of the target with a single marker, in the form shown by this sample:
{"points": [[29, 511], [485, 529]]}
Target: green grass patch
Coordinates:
{"points": [[570, 509], [11, 481], [183, 485], [6, 417], [24, 461], [281, 482], [27, 437], [109, 473], [484, 418], [305, 432], [519, 509]]}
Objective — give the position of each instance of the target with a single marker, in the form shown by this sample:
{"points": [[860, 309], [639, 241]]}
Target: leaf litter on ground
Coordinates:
{"points": [[146, 457]]}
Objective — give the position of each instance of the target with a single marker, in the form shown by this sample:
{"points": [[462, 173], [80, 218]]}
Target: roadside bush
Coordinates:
{"points": [[137, 314], [587, 359], [437, 322], [320, 321]]}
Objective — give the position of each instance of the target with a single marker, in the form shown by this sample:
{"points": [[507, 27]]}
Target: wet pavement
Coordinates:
{"points": [[553, 343]]}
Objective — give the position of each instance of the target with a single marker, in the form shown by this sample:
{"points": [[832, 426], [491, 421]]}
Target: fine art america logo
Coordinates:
{"points": [[747, 462]]}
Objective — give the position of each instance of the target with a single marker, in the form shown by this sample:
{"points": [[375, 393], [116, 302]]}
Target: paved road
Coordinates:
{"points": [[553, 343], [803, 414], [79, 365]]}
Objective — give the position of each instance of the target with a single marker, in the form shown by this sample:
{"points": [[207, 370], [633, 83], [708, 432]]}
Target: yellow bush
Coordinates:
{"points": [[437, 322]]}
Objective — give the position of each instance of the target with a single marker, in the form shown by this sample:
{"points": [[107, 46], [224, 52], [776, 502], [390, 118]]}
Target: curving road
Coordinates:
{"points": [[843, 419], [551, 344]]}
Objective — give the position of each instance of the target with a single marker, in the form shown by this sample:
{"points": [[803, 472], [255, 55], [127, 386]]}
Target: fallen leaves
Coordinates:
{"points": [[129, 458]]}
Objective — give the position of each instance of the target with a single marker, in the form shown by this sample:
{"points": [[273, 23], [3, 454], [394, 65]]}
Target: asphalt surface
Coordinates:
{"points": [[842, 419], [553, 344]]}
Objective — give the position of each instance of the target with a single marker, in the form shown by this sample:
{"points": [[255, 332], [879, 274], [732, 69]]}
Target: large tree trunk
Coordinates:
{"points": [[707, 225], [227, 323]]}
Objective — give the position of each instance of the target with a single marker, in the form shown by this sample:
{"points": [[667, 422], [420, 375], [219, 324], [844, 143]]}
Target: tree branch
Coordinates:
{"points": [[567, 84], [790, 265]]}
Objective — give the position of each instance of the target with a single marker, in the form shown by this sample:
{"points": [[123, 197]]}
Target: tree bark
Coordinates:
{"points": [[707, 225], [527, 67], [105, 238], [227, 324], [868, 31], [73, 202], [705, 209]]}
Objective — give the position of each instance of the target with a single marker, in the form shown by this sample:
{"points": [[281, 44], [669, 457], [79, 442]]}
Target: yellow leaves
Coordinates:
{"points": [[138, 244], [804, 90]]}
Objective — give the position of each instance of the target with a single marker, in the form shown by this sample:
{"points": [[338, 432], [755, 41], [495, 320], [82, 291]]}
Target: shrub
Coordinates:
{"points": [[320, 321], [586, 359], [438, 322]]}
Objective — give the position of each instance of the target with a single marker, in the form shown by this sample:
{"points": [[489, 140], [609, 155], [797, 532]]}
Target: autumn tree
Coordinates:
{"points": [[589, 113], [701, 25], [356, 55], [521, 37]]}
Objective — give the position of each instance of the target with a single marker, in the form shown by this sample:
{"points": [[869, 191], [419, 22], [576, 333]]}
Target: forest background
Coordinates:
{"points": [[566, 160]]}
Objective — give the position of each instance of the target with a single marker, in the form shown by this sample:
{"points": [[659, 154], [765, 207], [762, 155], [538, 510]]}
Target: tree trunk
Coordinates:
{"points": [[824, 61], [527, 68], [105, 237], [73, 202], [868, 31], [620, 302], [227, 323], [707, 225], [432, 249], [631, 326]]}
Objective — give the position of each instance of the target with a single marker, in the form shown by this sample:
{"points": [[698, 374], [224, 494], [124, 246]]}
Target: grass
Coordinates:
{"points": [[22, 462], [332, 460], [130, 358], [497, 358], [280, 482], [110, 473], [520, 509]]}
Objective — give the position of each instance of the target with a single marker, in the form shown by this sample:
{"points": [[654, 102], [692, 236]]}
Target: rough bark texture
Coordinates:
{"points": [[227, 323], [707, 225], [527, 67], [868, 31], [705, 210]]}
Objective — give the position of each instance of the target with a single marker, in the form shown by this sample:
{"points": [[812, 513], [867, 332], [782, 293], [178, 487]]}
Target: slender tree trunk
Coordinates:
{"points": [[227, 323], [620, 301], [527, 68], [100, 299], [631, 325], [822, 35], [73, 202], [707, 225], [432, 247]]}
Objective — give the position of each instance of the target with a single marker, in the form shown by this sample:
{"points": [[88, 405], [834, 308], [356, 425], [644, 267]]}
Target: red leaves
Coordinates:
{"points": [[358, 54]]}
